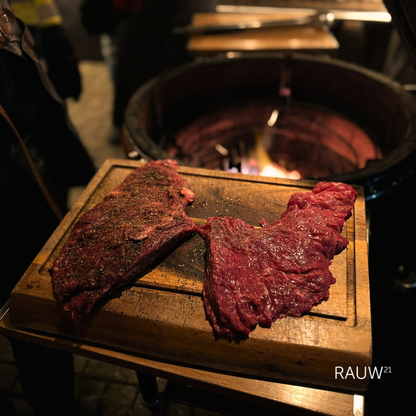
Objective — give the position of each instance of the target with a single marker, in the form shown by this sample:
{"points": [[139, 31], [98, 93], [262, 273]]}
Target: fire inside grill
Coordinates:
{"points": [[298, 141]]}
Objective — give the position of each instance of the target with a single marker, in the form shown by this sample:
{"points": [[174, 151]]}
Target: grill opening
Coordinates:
{"points": [[336, 121], [252, 137]]}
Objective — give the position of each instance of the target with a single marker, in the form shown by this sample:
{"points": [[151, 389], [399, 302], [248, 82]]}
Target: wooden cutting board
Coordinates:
{"points": [[162, 314]]}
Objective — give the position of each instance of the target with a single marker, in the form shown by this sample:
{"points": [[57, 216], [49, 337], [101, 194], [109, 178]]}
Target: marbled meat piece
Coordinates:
{"points": [[256, 275], [133, 227]]}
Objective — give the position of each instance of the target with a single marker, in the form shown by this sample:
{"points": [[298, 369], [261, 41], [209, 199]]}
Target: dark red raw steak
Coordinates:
{"points": [[133, 227], [256, 275]]}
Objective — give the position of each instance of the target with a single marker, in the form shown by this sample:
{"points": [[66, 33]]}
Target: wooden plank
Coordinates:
{"points": [[350, 5], [281, 397], [307, 37], [163, 315]]}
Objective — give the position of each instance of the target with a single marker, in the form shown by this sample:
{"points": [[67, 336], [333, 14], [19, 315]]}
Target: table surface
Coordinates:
{"points": [[283, 397]]}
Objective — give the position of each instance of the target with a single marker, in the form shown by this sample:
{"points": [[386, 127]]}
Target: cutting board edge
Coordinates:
{"points": [[256, 357], [247, 364]]}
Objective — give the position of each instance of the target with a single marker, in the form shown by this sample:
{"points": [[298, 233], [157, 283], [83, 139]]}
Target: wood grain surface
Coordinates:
{"points": [[293, 399], [355, 5], [162, 314], [300, 38]]}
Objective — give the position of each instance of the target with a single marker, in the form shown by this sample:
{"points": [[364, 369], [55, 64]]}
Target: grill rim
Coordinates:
{"points": [[386, 172]]}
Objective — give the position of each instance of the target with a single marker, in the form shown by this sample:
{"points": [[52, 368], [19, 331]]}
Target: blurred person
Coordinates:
{"points": [[52, 44], [104, 18], [140, 39], [41, 157]]}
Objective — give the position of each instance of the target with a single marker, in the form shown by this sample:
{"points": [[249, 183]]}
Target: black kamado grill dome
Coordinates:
{"points": [[183, 99]]}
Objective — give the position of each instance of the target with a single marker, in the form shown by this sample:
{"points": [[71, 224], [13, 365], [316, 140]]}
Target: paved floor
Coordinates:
{"points": [[92, 115], [102, 389]]}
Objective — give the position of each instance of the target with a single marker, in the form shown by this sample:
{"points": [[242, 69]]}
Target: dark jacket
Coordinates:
{"points": [[48, 141], [146, 44]]}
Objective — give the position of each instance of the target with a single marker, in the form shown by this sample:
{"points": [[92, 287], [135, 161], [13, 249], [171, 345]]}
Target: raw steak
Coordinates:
{"points": [[256, 275], [135, 225]]}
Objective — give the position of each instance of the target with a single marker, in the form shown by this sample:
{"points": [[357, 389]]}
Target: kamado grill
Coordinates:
{"points": [[321, 119], [296, 116]]}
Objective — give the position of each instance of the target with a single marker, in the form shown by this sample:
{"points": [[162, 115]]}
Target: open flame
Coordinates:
{"points": [[256, 138], [258, 162], [276, 171]]}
